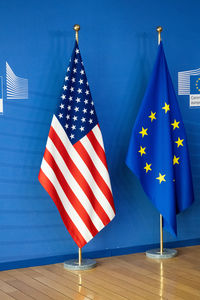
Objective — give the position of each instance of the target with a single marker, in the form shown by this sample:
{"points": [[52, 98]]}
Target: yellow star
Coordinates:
{"points": [[152, 116], [175, 124], [161, 177], [176, 160], [166, 107], [148, 167], [179, 142], [142, 150], [144, 132]]}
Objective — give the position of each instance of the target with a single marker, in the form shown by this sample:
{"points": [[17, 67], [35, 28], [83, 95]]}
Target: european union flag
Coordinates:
{"points": [[194, 84], [158, 152]]}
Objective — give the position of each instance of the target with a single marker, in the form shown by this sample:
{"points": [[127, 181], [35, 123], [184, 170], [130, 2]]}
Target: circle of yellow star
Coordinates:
{"points": [[144, 132], [175, 124], [176, 160], [166, 107], [179, 142], [142, 150], [152, 116], [148, 167], [161, 177]]}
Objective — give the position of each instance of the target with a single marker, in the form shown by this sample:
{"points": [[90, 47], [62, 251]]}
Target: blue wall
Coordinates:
{"points": [[118, 42]]}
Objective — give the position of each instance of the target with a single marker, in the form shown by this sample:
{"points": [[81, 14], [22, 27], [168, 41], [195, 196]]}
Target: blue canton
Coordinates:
{"points": [[76, 111]]}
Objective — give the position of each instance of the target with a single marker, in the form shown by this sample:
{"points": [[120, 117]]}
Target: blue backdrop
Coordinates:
{"points": [[118, 42]]}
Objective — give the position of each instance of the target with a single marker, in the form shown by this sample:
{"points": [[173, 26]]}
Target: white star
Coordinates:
{"points": [[92, 103], [76, 60], [77, 51], [81, 128], [73, 127], [69, 107], [82, 72], [87, 83], [79, 91], [68, 69], [82, 63], [83, 119], [73, 79], [72, 89], [81, 81], [87, 92], [64, 87], [91, 112], [72, 136], [86, 101], [76, 108], [90, 121], [68, 117], [62, 106], [66, 78], [70, 98], [74, 70], [63, 97], [84, 110], [75, 118], [66, 126], [78, 100], [60, 116]]}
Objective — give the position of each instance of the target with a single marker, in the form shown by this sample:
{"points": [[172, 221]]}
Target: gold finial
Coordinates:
{"points": [[77, 28], [159, 29]]}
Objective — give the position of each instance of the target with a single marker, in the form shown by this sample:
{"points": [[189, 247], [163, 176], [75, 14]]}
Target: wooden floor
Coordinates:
{"points": [[124, 277]]}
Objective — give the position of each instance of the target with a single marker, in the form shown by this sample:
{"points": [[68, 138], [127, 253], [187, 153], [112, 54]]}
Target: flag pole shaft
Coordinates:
{"points": [[79, 256], [161, 234], [159, 29], [77, 28]]}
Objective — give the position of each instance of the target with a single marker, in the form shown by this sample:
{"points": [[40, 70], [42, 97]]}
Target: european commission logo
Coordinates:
{"points": [[189, 84], [16, 87]]}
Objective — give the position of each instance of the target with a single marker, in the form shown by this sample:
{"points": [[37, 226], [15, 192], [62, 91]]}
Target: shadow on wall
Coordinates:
{"points": [[54, 68], [136, 85]]}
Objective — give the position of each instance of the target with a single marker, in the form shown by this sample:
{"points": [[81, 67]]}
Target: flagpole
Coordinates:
{"points": [[159, 30], [80, 264], [77, 28], [161, 253]]}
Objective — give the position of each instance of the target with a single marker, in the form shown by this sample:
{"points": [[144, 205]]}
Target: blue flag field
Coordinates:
{"points": [[158, 152]]}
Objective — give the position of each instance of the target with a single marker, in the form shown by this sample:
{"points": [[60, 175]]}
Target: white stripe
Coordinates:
{"points": [[82, 168], [96, 160], [190, 72], [97, 132], [74, 185], [75, 218]]}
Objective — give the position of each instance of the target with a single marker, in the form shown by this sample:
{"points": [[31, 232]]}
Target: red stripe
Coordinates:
{"points": [[95, 173], [74, 232], [78, 177], [70, 194], [97, 147]]}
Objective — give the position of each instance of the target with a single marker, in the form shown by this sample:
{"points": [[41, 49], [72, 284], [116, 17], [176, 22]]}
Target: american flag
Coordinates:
{"points": [[74, 170]]}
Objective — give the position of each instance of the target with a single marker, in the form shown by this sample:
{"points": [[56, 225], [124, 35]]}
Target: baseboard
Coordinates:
{"points": [[95, 254]]}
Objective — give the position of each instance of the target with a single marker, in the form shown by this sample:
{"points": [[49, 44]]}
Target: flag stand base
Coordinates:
{"points": [[73, 264], [156, 254]]}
